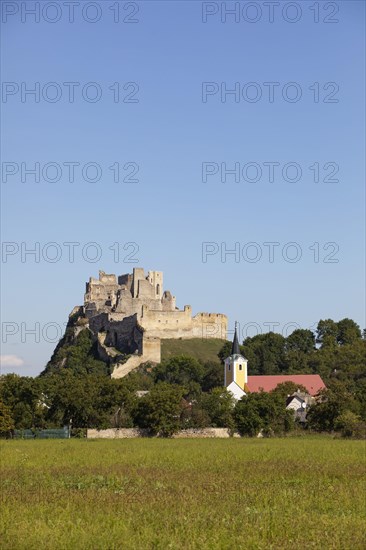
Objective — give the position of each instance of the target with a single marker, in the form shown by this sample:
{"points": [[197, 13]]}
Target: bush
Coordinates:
{"points": [[350, 425]]}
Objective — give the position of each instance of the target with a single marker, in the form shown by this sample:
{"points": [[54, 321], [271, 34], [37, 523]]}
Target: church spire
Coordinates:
{"points": [[235, 350]]}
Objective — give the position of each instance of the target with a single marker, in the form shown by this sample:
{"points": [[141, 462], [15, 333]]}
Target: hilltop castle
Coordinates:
{"points": [[132, 313]]}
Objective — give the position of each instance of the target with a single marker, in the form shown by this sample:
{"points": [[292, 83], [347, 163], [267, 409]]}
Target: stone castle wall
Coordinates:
{"points": [[181, 324]]}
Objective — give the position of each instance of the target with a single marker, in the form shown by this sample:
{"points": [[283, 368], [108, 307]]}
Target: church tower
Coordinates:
{"points": [[236, 370]]}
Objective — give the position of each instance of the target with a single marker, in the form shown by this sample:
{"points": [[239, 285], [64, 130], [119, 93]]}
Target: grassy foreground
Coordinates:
{"points": [[151, 493]]}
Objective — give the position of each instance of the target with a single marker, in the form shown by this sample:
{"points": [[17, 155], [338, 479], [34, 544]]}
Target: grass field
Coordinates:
{"points": [[153, 493], [203, 349]]}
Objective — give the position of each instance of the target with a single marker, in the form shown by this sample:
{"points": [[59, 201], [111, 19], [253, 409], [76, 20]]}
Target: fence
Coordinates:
{"points": [[55, 433]]}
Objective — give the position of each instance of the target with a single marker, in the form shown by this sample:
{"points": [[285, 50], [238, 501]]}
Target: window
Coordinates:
{"points": [[229, 367], [240, 367], [158, 289]]}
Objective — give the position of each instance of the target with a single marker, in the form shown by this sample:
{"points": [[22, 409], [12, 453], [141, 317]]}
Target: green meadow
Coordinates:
{"points": [[305, 492]]}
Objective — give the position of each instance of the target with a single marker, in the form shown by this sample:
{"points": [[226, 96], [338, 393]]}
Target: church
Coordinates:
{"points": [[237, 381]]}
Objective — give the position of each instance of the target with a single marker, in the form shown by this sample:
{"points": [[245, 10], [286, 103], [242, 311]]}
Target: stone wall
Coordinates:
{"points": [[209, 325], [113, 433], [151, 349], [167, 324], [181, 324], [129, 433]]}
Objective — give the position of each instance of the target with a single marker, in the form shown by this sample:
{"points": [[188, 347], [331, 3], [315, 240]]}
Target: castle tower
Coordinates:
{"points": [[156, 279], [236, 370]]}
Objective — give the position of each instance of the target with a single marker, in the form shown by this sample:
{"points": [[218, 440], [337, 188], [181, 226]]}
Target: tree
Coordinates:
{"points": [[6, 421], [219, 405], [265, 353], [179, 370], [247, 418], [87, 400], [327, 333], [301, 340], [225, 351], [288, 388], [331, 403], [159, 411], [213, 376], [23, 396], [194, 416], [348, 332], [262, 411]]}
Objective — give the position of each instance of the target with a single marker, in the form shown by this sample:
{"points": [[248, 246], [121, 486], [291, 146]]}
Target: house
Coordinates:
{"points": [[299, 402]]}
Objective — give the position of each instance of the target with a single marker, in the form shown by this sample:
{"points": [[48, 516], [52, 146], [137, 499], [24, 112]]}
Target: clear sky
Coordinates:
{"points": [[150, 96]]}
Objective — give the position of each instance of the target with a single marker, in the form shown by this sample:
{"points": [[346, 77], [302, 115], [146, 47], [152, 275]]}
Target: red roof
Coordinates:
{"points": [[312, 382]]}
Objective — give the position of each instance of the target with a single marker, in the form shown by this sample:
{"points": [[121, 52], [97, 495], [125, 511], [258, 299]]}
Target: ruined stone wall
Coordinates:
{"points": [[146, 290], [151, 349], [167, 324], [138, 274], [209, 325], [168, 302], [99, 323], [107, 279], [123, 335], [180, 324]]}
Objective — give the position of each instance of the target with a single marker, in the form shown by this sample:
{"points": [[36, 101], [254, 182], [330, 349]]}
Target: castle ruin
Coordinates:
{"points": [[131, 313]]}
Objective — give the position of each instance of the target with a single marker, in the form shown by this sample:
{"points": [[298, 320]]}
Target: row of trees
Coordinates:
{"points": [[167, 407]]}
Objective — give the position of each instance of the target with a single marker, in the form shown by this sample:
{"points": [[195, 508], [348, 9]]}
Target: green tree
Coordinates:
{"points": [[193, 416], [247, 418], [348, 332], [179, 370], [331, 403], [159, 411], [23, 396], [184, 371], [265, 353], [213, 376], [6, 421], [219, 405], [85, 400], [327, 333], [301, 340], [288, 388], [225, 351], [262, 411]]}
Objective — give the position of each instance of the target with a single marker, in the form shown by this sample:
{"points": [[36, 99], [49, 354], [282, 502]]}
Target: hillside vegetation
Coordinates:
{"points": [[200, 348]]}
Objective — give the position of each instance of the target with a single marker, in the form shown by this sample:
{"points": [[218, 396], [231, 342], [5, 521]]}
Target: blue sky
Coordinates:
{"points": [[168, 133]]}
